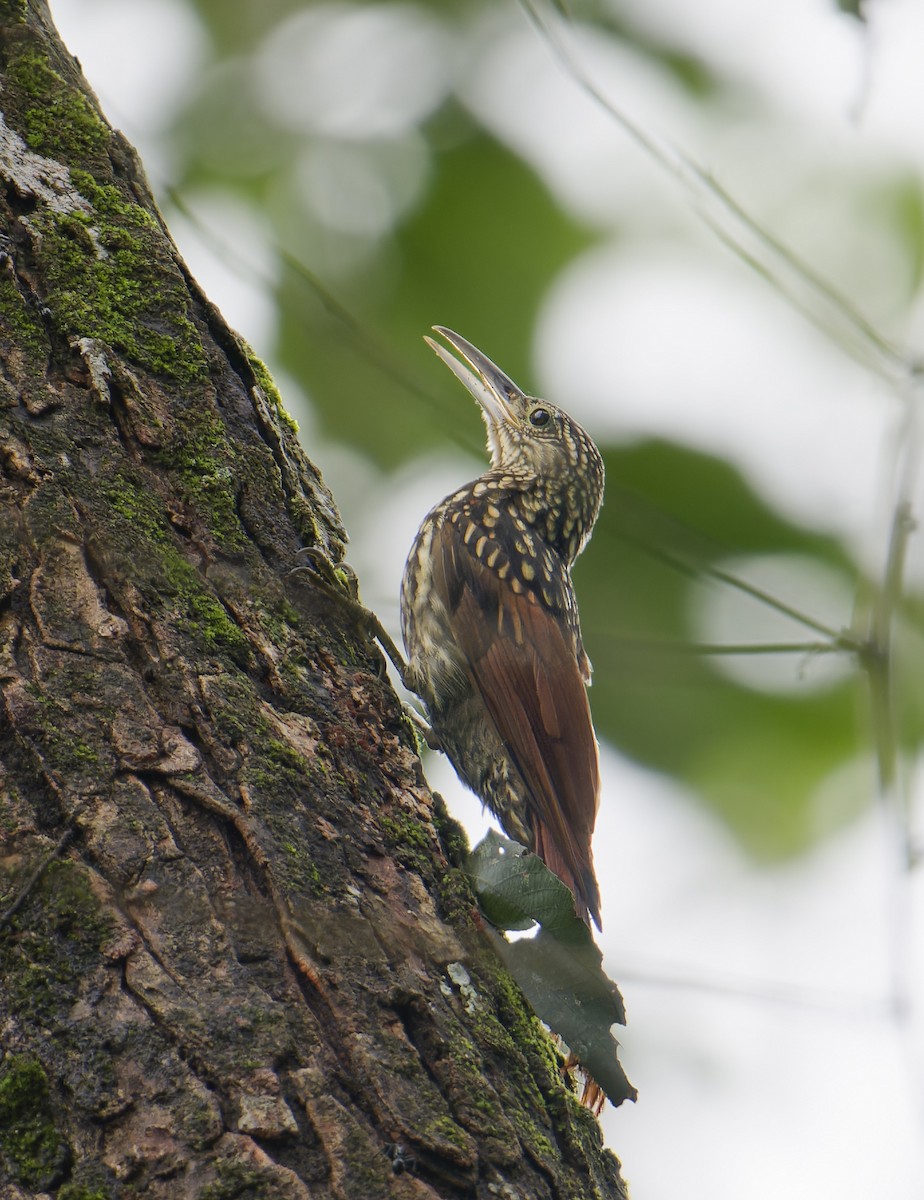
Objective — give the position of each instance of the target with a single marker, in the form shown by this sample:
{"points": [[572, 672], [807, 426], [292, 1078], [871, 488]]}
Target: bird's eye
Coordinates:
{"points": [[540, 417]]}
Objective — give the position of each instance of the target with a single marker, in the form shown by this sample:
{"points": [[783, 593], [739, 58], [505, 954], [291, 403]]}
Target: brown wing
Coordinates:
{"points": [[522, 656]]}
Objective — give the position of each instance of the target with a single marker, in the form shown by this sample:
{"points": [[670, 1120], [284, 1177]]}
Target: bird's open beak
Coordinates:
{"points": [[498, 395]]}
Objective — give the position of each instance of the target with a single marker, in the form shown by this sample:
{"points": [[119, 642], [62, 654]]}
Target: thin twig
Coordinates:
{"points": [[781, 606], [760, 991], [881, 681], [879, 356], [667, 646], [698, 570]]}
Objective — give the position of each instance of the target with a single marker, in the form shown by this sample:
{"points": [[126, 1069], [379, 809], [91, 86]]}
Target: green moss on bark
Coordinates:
{"points": [[49, 947], [90, 1180], [267, 383], [33, 1151], [409, 841], [238, 1181], [77, 1191], [12, 11], [128, 496], [20, 323], [108, 276], [145, 537], [54, 118], [206, 465]]}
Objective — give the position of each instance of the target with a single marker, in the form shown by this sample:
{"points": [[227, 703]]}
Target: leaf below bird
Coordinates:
{"points": [[560, 969], [516, 890]]}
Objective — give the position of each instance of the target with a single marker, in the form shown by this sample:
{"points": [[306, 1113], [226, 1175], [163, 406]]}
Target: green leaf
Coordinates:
{"points": [[515, 889], [564, 982], [560, 970]]}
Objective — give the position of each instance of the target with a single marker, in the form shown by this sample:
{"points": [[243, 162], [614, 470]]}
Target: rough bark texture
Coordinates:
{"points": [[238, 958]]}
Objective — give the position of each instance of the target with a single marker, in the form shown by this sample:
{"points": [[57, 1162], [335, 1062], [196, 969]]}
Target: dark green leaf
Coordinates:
{"points": [[560, 969], [516, 889], [565, 984]]}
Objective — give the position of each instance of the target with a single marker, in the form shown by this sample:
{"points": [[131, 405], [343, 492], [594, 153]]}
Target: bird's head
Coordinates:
{"points": [[536, 443]]}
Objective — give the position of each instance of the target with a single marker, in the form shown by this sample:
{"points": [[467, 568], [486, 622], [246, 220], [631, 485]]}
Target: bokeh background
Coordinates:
{"points": [[701, 229]]}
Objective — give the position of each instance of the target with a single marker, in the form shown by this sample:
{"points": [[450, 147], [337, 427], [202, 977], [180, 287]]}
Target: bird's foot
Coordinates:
{"points": [[338, 581], [339, 584], [423, 733]]}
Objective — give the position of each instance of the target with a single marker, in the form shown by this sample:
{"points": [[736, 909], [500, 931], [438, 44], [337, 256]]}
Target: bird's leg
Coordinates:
{"points": [[339, 585]]}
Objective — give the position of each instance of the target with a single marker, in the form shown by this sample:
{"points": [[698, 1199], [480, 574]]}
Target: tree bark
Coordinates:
{"points": [[238, 955]]}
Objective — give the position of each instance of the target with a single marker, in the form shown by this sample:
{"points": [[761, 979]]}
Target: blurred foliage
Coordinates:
{"points": [[466, 261], [670, 515], [474, 239]]}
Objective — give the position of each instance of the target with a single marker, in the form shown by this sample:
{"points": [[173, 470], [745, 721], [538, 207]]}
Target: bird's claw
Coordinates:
{"points": [[339, 578], [423, 733], [340, 584]]}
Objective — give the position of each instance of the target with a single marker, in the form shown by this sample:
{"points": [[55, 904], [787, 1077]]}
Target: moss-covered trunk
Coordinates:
{"points": [[236, 955]]}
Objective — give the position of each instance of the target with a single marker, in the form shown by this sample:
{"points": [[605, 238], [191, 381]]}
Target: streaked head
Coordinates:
{"points": [[533, 441]]}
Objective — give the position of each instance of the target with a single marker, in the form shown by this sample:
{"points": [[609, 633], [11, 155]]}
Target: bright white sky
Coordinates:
{"points": [[783, 1071]]}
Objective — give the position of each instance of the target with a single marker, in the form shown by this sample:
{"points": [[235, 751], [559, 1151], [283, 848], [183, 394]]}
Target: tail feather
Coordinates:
{"points": [[583, 885]]}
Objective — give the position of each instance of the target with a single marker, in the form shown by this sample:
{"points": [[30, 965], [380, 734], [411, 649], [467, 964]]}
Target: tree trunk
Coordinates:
{"points": [[238, 955]]}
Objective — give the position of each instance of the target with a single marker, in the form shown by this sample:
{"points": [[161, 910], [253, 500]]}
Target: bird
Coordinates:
{"points": [[491, 627]]}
